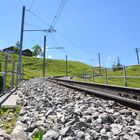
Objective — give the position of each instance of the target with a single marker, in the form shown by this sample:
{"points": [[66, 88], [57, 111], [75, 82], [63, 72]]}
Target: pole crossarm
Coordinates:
{"points": [[56, 48], [44, 30]]}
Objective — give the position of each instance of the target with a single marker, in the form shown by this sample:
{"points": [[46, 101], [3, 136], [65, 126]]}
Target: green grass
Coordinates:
{"points": [[12, 114], [33, 68], [130, 71], [38, 135]]}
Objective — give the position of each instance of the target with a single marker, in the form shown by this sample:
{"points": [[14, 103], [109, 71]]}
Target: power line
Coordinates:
{"points": [[56, 42], [43, 21], [72, 43], [33, 25], [58, 12], [32, 3]]}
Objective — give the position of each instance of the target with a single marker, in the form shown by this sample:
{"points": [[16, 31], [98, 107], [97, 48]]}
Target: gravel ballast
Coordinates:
{"points": [[66, 114]]}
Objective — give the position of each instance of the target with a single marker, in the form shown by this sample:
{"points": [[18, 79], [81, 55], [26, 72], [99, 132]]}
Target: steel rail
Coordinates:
{"points": [[104, 91]]}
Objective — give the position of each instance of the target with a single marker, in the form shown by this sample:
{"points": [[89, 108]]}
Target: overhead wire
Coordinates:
{"points": [[72, 43], [33, 25], [32, 3], [58, 13], [56, 42], [39, 18]]}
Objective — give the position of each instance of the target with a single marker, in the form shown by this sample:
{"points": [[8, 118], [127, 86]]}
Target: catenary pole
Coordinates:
{"points": [[137, 53], [21, 40], [44, 56], [99, 57], [66, 65]]}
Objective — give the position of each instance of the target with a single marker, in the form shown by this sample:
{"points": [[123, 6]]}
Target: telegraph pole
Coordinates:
{"points": [[137, 53], [66, 65], [99, 62], [44, 56], [21, 41]]}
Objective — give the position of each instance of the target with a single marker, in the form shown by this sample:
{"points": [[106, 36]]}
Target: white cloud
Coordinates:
{"points": [[109, 58], [109, 61], [49, 56], [38, 56]]}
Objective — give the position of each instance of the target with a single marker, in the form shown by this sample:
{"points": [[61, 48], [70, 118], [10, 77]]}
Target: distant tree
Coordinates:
{"points": [[17, 47], [118, 65], [118, 62], [37, 50]]}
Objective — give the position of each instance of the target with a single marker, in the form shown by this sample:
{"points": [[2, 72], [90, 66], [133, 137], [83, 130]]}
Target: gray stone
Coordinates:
{"points": [[31, 127], [137, 132], [68, 138], [65, 114], [93, 134], [7, 136], [65, 130], [105, 118], [1, 138], [103, 131], [87, 136], [127, 137], [51, 134], [2, 132], [104, 137], [49, 113], [18, 132], [80, 134], [80, 125], [23, 113], [116, 128]]}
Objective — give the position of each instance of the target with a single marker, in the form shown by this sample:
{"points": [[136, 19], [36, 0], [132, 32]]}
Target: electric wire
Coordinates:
{"points": [[58, 13], [29, 24], [56, 42], [32, 3], [43, 21], [73, 43]]}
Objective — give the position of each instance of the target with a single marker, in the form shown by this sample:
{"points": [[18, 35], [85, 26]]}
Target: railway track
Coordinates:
{"points": [[129, 97]]}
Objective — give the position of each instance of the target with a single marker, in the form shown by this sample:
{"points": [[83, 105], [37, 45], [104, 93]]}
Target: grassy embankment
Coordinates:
{"points": [[33, 68], [130, 71]]}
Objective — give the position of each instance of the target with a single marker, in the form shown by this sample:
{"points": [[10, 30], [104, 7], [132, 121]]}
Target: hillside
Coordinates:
{"points": [[33, 68], [117, 77]]}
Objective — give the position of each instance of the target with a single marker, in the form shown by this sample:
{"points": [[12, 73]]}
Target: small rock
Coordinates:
{"points": [[103, 131], [127, 137], [116, 128], [93, 134], [105, 118], [51, 134], [31, 128], [104, 137], [2, 132], [1, 138], [7, 136], [68, 138], [80, 125], [80, 134], [65, 130]]}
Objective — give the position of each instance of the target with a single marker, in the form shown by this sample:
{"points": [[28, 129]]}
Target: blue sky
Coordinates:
{"points": [[111, 27]]}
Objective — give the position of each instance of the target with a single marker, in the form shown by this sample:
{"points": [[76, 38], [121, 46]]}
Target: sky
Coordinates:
{"points": [[84, 28]]}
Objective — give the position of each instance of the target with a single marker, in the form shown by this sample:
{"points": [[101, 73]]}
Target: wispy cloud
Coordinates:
{"points": [[109, 61], [50, 57]]}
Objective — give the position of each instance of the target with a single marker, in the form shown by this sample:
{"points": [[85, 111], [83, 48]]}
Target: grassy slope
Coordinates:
{"points": [[130, 71], [33, 68]]}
